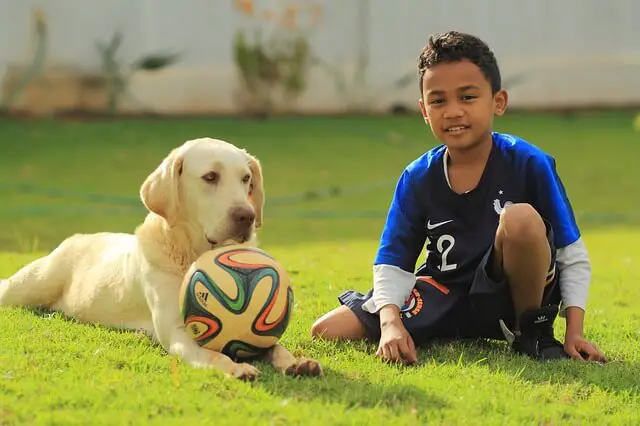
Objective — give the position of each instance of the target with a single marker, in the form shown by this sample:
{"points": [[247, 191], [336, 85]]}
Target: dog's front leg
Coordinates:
{"points": [[283, 361], [172, 335], [179, 343]]}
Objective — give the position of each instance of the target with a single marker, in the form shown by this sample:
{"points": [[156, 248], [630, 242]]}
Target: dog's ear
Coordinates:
{"points": [[256, 191], [160, 190]]}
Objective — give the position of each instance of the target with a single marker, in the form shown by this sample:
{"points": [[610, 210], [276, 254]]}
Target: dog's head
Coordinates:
{"points": [[211, 188]]}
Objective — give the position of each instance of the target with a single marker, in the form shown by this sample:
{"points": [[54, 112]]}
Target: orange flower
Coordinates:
{"points": [[290, 15], [244, 6], [316, 13]]}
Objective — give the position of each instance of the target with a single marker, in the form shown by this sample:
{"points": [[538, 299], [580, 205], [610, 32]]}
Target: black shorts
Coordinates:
{"points": [[434, 311]]}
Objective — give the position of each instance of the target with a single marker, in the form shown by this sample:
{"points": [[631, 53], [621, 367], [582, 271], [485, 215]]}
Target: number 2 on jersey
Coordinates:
{"points": [[444, 251]]}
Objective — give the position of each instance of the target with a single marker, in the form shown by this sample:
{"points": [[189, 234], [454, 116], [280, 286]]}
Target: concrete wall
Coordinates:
{"points": [[572, 52]]}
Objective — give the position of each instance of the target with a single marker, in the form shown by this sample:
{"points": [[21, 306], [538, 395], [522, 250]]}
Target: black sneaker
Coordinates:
{"points": [[535, 338]]}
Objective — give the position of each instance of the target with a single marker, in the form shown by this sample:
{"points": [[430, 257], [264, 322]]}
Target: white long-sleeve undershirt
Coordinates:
{"points": [[392, 285]]}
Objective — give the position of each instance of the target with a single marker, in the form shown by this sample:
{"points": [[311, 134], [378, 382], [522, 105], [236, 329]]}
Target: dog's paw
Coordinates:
{"points": [[245, 372], [305, 367]]}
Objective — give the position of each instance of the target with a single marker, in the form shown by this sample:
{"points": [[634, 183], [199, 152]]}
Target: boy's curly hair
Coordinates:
{"points": [[454, 46]]}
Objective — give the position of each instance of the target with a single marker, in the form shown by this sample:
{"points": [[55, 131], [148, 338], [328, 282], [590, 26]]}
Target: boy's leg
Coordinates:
{"points": [[339, 324], [522, 255], [516, 282], [427, 313]]}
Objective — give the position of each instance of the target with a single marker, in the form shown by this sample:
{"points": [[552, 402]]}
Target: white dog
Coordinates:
{"points": [[205, 193]]}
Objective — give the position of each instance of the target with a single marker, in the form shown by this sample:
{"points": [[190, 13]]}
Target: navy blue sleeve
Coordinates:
{"points": [[403, 235], [551, 200]]}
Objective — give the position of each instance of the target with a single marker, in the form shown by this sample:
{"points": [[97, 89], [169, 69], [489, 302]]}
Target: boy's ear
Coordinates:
{"points": [[423, 109], [500, 99]]}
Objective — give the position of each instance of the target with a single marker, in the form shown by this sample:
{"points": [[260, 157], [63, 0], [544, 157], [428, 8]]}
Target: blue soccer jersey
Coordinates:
{"points": [[460, 228]]}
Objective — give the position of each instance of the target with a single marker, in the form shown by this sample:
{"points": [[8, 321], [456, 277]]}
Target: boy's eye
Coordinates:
{"points": [[435, 101], [468, 97]]}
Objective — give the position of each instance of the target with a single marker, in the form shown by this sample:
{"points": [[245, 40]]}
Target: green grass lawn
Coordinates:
{"points": [[328, 184]]}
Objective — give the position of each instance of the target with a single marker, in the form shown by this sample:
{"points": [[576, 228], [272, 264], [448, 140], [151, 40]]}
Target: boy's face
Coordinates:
{"points": [[458, 104]]}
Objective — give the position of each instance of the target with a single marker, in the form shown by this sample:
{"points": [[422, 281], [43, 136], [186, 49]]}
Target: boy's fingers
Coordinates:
{"points": [[594, 353], [573, 353], [408, 353], [386, 354], [394, 353], [412, 347], [402, 350]]}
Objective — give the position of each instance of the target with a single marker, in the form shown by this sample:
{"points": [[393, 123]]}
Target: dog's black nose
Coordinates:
{"points": [[243, 216]]}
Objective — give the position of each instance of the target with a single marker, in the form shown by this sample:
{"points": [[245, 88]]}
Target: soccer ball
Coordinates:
{"points": [[236, 300]]}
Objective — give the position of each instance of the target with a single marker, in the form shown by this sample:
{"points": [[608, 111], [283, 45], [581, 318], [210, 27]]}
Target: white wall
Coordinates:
{"points": [[573, 51]]}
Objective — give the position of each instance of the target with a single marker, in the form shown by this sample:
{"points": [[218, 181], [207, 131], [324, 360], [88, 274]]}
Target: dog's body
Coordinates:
{"points": [[205, 193]]}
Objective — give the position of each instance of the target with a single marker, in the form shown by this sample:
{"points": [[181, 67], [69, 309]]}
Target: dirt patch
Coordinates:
{"points": [[54, 90]]}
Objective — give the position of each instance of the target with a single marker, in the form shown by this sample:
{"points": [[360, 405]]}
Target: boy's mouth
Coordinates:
{"points": [[456, 129]]}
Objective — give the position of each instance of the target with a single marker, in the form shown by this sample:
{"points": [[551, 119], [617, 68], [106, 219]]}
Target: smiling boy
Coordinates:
{"points": [[505, 254]]}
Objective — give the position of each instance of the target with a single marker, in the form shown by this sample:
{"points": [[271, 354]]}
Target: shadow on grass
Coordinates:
{"points": [[617, 375], [352, 391]]}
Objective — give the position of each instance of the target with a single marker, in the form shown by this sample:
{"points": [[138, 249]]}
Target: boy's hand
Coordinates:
{"points": [[396, 344], [581, 349], [574, 342]]}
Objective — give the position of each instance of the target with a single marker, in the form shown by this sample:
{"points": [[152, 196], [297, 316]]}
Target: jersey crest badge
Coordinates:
{"points": [[498, 207], [413, 305]]}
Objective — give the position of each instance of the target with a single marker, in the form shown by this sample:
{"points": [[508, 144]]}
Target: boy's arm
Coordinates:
{"points": [[575, 277], [402, 240], [391, 286], [574, 268]]}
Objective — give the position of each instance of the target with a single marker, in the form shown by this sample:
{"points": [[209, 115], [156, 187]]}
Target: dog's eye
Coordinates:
{"points": [[211, 177], [246, 178]]}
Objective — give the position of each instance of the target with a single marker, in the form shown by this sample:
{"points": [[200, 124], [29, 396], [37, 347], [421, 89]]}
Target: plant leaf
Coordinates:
{"points": [[156, 61]]}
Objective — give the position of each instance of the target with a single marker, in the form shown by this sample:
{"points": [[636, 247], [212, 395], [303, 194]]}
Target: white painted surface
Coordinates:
{"points": [[573, 51]]}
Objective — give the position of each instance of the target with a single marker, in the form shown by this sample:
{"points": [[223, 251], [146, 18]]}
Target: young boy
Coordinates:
{"points": [[504, 249]]}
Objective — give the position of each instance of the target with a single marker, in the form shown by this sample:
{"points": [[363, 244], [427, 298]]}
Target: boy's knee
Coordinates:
{"points": [[338, 324], [521, 224], [319, 328], [325, 328]]}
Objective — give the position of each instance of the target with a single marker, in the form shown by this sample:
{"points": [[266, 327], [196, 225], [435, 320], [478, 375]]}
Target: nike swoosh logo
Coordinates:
{"points": [[431, 226]]}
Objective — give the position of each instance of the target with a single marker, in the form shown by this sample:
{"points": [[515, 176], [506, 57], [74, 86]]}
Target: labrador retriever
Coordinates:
{"points": [[206, 192]]}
